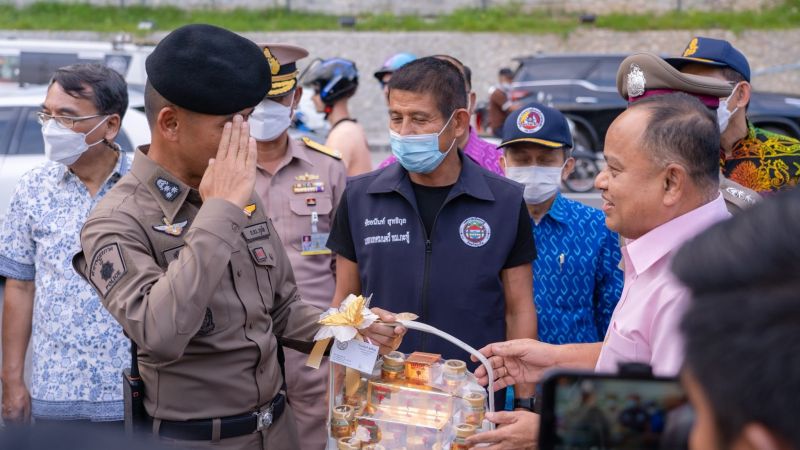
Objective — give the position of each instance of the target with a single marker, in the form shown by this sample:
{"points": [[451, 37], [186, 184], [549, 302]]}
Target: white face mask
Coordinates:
{"points": [[723, 115], [269, 120], [63, 145], [540, 183]]}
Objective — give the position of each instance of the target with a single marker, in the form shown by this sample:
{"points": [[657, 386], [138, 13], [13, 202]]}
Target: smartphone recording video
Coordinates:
{"points": [[596, 412]]}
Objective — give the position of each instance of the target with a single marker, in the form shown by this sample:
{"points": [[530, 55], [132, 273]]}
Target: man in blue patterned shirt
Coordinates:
{"points": [[576, 278], [78, 349]]}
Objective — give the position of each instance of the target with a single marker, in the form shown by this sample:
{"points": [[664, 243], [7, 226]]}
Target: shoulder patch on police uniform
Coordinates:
{"points": [[107, 268], [313, 145], [169, 190]]}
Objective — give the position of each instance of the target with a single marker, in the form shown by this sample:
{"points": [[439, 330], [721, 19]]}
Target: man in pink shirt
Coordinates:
{"points": [[660, 188], [482, 152]]}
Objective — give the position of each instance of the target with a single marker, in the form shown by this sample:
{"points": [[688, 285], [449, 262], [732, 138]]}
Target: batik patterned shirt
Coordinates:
{"points": [[78, 350], [576, 277], [764, 161]]}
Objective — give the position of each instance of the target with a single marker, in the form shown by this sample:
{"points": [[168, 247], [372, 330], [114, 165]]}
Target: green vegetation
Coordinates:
{"points": [[77, 16]]}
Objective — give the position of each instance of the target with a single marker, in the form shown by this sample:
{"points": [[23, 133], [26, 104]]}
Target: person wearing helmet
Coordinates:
{"points": [[334, 81], [384, 74]]}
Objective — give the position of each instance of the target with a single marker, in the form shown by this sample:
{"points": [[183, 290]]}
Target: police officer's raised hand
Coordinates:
{"points": [[387, 337], [16, 402], [231, 175], [516, 361]]}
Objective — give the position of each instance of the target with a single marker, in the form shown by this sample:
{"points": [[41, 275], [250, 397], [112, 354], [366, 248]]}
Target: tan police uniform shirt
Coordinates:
{"points": [[202, 289], [290, 200]]}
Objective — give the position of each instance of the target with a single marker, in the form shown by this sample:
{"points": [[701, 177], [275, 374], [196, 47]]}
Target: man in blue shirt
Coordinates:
{"points": [[576, 277]]}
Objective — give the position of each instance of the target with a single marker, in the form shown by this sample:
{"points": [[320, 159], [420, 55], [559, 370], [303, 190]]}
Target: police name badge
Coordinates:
{"points": [[355, 354]]}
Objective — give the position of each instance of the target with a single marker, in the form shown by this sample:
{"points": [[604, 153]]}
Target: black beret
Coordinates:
{"points": [[209, 70]]}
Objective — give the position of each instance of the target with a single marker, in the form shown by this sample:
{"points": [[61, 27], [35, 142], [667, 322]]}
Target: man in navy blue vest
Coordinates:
{"points": [[437, 235]]}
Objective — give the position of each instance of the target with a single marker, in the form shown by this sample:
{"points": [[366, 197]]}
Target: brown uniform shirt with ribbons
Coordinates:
{"points": [[201, 287]]}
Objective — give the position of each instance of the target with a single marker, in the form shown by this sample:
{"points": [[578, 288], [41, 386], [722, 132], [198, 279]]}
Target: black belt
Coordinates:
{"points": [[232, 426]]}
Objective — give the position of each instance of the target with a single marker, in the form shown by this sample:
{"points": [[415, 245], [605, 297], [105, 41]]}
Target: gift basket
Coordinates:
{"points": [[401, 401]]}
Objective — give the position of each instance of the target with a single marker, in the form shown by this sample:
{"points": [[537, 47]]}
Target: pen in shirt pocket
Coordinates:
{"points": [[561, 259]]}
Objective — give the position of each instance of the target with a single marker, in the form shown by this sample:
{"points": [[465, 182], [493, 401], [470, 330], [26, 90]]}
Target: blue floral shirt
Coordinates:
{"points": [[576, 278], [78, 349]]}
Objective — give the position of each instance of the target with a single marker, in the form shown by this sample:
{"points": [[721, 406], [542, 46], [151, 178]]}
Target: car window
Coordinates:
{"points": [[6, 116], [124, 142], [31, 142], [552, 69], [604, 73]]}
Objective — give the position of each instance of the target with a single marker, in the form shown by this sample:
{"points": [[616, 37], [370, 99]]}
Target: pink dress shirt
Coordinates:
{"points": [[482, 152], [645, 324]]}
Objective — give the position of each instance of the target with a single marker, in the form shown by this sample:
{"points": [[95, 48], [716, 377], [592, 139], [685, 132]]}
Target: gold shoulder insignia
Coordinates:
{"points": [[321, 148]]}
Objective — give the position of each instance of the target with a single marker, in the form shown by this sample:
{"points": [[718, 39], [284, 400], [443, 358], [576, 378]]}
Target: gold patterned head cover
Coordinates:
{"points": [[281, 59]]}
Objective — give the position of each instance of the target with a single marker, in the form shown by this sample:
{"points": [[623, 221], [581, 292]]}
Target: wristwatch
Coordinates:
{"points": [[526, 403]]}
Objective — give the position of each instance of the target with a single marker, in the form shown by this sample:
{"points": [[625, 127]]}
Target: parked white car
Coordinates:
{"points": [[21, 143]]}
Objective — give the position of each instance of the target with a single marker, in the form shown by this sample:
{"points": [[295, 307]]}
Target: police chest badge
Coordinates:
{"points": [[172, 229], [636, 81], [530, 120], [475, 232]]}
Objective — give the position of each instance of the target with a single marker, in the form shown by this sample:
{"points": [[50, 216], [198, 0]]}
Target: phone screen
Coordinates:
{"points": [[598, 412]]}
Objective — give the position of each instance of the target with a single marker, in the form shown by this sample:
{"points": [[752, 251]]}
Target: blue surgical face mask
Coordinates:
{"points": [[419, 153]]}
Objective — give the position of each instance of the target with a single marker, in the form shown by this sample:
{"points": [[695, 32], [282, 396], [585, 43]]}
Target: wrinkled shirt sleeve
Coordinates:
{"points": [[17, 244]]}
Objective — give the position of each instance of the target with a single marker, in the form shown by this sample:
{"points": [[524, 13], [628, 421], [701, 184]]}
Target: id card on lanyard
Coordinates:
{"points": [[314, 243]]}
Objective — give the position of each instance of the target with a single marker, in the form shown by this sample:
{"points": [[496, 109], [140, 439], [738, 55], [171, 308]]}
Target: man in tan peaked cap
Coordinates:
{"points": [[300, 182], [642, 75]]}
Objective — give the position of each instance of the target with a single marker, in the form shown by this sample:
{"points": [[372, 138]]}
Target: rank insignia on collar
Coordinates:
{"points": [[172, 229], [636, 81], [307, 177], [169, 190], [249, 210]]}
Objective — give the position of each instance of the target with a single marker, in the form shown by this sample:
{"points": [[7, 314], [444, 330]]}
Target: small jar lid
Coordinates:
{"points": [[348, 443], [343, 412], [465, 430], [455, 367], [475, 399], [394, 359]]}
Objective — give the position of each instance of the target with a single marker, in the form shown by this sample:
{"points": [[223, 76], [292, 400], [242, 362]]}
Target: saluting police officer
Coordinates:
{"points": [[300, 183], [183, 255]]}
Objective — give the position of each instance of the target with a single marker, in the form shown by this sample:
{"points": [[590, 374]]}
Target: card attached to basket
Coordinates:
{"points": [[355, 354]]}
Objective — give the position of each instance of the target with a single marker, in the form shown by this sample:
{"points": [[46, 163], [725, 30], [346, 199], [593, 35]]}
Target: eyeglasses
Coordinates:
{"points": [[64, 121]]}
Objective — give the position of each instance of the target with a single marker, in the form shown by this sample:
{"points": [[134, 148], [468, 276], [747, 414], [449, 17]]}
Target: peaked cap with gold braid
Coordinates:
{"points": [[281, 59]]}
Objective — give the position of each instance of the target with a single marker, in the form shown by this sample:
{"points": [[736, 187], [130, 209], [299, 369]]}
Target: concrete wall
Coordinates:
{"points": [[485, 53], [428, 7]]}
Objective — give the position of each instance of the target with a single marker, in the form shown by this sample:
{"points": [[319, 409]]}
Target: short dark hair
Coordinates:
{"points": [[466, 72], [741, 330], [506, 72], [682, 130], [153, 103], [437, 77], [101, 85]]}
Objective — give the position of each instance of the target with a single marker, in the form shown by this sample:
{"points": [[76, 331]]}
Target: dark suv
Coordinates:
{"points": [[583, 87]]}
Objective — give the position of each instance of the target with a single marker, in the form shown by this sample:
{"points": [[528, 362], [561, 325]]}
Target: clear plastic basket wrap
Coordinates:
{"points": [[410, 401]]}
